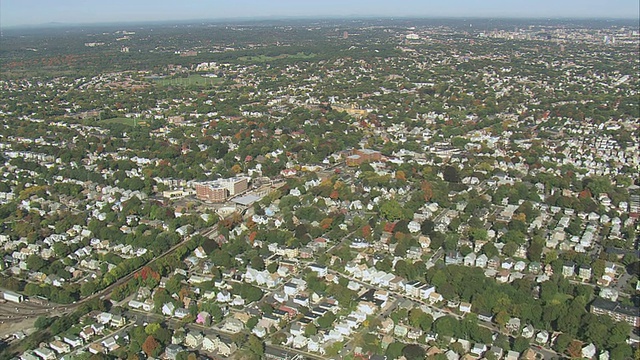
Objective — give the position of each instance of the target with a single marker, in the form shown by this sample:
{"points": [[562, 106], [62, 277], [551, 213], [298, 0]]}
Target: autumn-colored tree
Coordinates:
{"points": [[427, 190], [366, 231], [236, 169], [334, 194], [151, 346], [575, 349], [326, 223], [183, 293], [400, 175], [585, 194]]}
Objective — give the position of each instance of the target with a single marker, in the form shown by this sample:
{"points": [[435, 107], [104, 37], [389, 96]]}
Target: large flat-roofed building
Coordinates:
{"points": [[363, 156], [616, 311], [220, 190]]}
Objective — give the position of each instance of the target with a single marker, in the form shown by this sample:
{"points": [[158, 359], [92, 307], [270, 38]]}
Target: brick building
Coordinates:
{"points": [[220, 190], [616, 311], [361, 156]]}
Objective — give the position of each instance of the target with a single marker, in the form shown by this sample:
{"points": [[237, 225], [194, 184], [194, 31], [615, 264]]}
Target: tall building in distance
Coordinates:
{"points": [[222, 189], [345, 35]]}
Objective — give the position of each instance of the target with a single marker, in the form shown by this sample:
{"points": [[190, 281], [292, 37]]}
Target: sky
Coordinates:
{"points": [[38, 12]]}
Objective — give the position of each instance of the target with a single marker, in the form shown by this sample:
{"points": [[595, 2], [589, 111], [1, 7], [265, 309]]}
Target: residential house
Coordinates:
{"points": [[314, 343], [589, 351], [320, 270], [568, 269], [233, 325], [203, 318], [465, 307], [168, 309], [493, 263], [512, 355], [297, 328], [118, 321], [171, 352], [193, 339], [470, 259], [72, 340], [299, 342], [110, 344], [435, 298], [400, 331], [478, 349], [225, 349], [181, 313], [496, 351], [259, 331], [542, 337], [45, 353], [482, 260], [386, 326], [60, 347], [453, 258], [104, 317], [209, 345], [96, 348], [584, 272], [28, 356], [513, 325], [487, 317], [528, 331]]}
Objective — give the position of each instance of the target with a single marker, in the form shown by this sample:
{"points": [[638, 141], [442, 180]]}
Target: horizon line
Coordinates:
{"points": [[304, 17]]}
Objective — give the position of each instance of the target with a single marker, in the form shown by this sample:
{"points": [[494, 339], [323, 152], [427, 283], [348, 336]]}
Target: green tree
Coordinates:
{"points": [[445, 326], [394, 350], [520, 344], [413, 352], [326, 320], [255, 345]]}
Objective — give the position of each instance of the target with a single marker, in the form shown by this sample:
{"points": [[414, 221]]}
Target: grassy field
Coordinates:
{"points": [[125, 121], [197, 80], [263, 58]]}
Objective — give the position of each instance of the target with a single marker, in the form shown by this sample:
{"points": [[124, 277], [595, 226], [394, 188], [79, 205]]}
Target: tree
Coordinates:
{"points": [[413, 352], [255, 345], [510, 248], [490, 250], [623, 351], [279, 338], [427, 190], [445, 326], [450, 174], [392, 210], [415, 317], [520, 344], [151, 347], [252, 322], [562, 342], [575, 349], [310, 330], [326, 320], [257, 263], [427, 227], [394, 350], [272, 267]]}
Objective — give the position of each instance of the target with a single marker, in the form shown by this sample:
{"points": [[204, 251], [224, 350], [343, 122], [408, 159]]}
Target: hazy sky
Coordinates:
{"points": [[31, 12]]}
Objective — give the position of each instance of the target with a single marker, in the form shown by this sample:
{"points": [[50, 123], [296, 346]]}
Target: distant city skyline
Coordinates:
{"points": [[43, 12]]}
